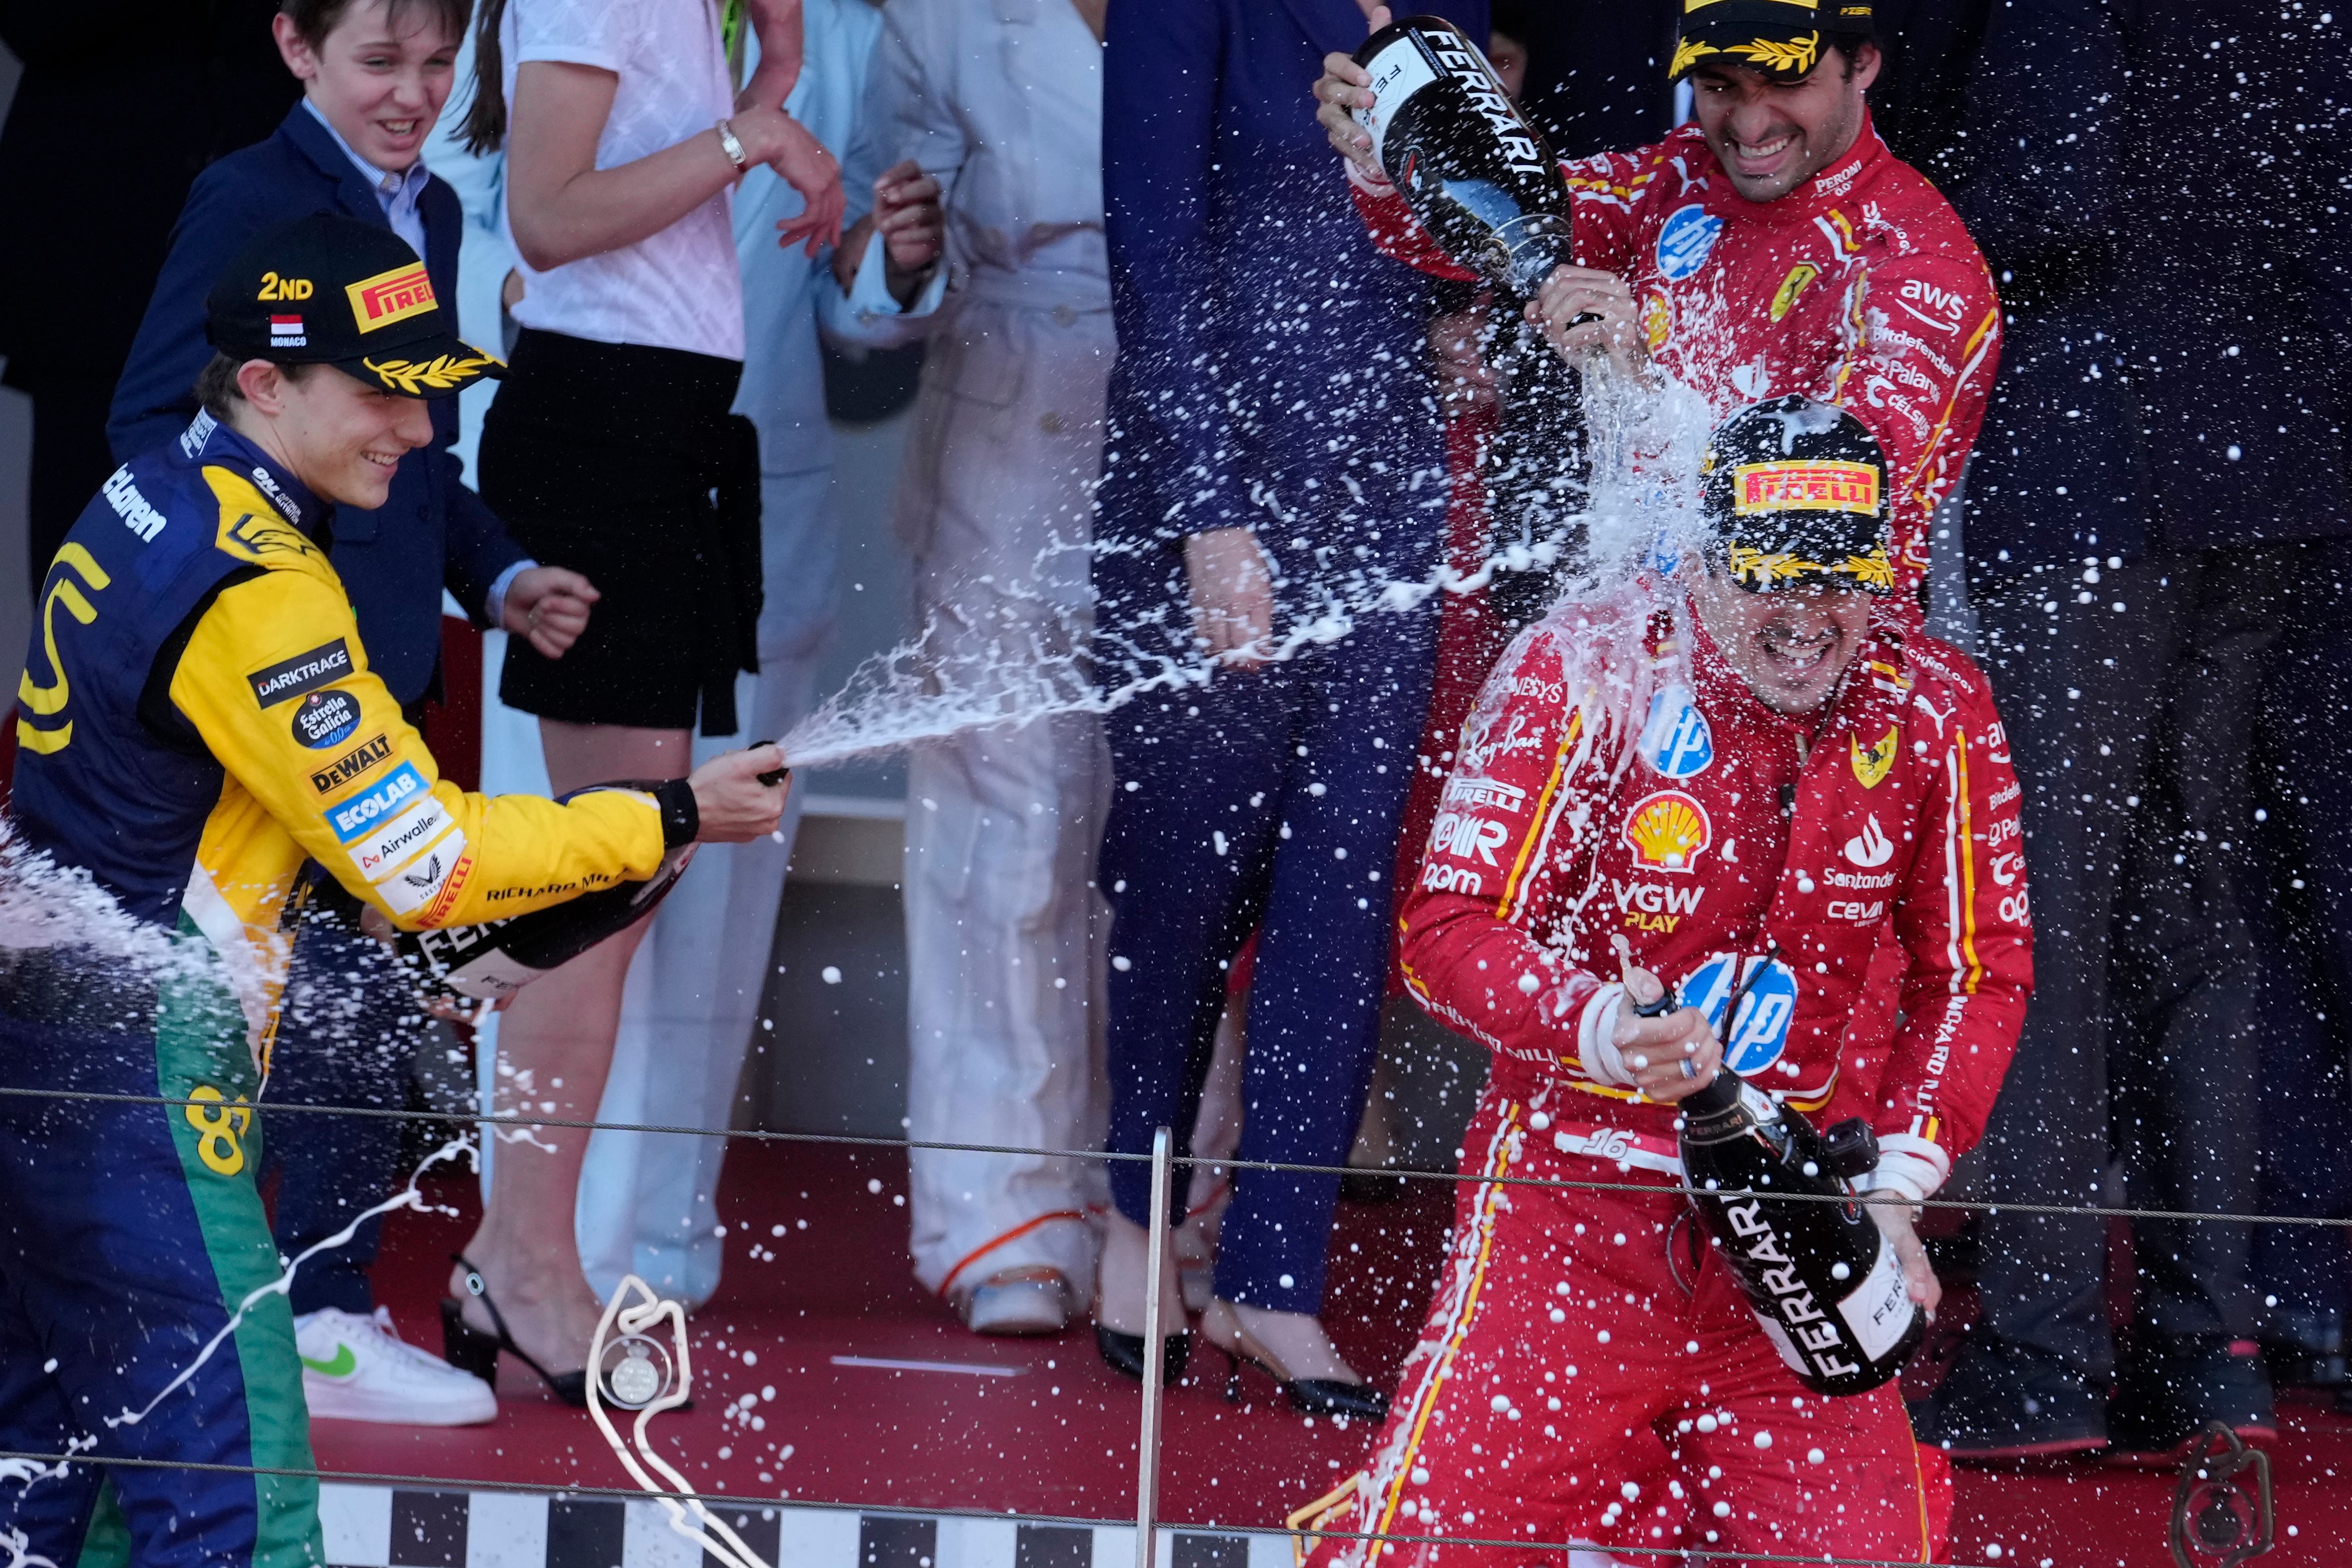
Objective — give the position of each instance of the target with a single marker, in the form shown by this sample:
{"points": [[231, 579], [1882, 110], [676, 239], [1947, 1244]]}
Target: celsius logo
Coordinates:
{"points": [[1870, 848]]}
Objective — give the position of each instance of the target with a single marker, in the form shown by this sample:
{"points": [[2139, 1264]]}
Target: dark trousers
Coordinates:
{"points": [[130, 1237], [1266, 800], [2131, 716], [2300, 908], [348, 1031]]}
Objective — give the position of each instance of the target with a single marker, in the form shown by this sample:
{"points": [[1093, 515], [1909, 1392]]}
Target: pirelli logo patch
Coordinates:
{"points": [[352, 764], [302, 674], [390, 297], [1803, 487]]}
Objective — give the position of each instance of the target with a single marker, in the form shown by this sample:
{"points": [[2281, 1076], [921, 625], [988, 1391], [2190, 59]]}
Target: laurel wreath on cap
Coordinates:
{"points": [[1794, 56], [439, 372]]}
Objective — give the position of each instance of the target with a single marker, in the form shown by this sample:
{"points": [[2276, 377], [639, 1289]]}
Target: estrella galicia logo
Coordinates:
{"points": [[305, 672], [1766, 1007], [1685, 241], [351, 819], [351, 763], [1677, 740], [325, 719]]}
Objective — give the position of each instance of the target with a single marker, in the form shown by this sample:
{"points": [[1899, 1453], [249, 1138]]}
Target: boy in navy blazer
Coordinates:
{"points": [[375, 73]]}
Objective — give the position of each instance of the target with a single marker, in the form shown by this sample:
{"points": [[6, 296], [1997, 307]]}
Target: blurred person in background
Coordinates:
{"points": [[375, 73], [2157, 494], [648, 1201], [611, 450], [990, 111], [134, 100], [1272, 445]]}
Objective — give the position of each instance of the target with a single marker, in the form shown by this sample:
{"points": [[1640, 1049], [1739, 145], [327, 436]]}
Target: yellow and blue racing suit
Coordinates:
{"points": [[196, 724]]}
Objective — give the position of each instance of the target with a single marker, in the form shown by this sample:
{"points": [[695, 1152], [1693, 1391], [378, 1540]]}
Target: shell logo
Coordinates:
{"points": [[1657, 321], [1669, 831]]}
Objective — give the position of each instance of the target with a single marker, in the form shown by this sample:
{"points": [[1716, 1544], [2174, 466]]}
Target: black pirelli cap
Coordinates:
{"points": [[1794, 491], [329, 290]]}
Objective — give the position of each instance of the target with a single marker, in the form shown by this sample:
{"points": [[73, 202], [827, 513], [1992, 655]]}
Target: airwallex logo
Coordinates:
{"points": [[353, 818]]}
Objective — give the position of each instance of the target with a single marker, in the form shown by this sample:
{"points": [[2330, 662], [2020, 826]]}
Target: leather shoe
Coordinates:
{"points": [[2002, 1402], [2167, 1389]]}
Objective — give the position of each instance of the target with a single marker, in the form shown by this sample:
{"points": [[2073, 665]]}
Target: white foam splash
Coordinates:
{"points": [[1646, 440]]}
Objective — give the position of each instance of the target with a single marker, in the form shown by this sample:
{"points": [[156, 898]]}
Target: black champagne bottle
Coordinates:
{"points": [[1471, 167], [1820, 1275]]}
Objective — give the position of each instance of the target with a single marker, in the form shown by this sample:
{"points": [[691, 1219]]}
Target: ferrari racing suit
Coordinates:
{"points": [[1865, 859], [1859, 287]]}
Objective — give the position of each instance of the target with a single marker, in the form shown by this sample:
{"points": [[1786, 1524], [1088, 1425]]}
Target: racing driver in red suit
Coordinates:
{"points": [[1743, 771], [1773, 245]]}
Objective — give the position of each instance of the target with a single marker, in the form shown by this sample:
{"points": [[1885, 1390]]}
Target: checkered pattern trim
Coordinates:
{"points": [[386, 1526]]}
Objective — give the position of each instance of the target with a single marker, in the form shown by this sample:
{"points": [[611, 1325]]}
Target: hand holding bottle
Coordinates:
{"points": [[1895, 1223], [740, 797], [1583, 312], [1672, 1053]]}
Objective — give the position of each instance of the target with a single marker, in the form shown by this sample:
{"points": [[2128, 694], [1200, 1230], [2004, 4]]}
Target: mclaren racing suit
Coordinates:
{"points": [[1843, 865], [1859, 287], [196, 721]]}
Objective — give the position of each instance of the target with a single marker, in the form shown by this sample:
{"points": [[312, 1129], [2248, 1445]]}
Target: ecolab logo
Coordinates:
{"points": [[350, 820]]}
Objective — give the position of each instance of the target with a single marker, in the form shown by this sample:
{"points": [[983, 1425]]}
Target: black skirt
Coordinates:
{"points": [[623, 463]]}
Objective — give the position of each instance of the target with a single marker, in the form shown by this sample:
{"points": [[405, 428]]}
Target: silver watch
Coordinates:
{"points": [[733, 147]]}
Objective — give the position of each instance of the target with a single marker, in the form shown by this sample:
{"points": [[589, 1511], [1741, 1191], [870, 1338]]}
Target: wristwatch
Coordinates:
{"points": [[733, 147]]}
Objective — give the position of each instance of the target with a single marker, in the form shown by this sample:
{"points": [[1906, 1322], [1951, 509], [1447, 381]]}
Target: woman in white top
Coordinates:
{"points": [[611, 450]]}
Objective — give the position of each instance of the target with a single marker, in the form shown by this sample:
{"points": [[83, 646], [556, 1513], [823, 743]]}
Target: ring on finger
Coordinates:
{"points": [[1689, 1071]]}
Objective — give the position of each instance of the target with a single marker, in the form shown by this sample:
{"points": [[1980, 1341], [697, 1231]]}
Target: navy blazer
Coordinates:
{"points": [[432, 531], [1270, 363]]}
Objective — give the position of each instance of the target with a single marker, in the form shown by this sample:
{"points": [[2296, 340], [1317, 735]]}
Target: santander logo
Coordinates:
{"points": [[1871, 847]]}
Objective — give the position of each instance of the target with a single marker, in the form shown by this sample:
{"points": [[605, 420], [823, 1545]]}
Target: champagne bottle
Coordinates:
{"points": [[1471, 167], [1820, 1276], [498, 958]]}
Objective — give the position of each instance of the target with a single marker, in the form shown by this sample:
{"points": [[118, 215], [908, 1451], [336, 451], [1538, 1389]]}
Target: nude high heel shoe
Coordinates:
{"points": [[1222, 1327]]}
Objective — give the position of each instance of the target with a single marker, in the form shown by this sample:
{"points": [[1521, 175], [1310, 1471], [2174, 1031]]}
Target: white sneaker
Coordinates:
{"points": [[358, 1369], [1031, 1300]]}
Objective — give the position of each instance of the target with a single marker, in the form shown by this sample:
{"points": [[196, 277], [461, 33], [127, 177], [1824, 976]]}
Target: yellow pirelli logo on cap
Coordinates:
{"points": [[390, 297], [1803, 487]]}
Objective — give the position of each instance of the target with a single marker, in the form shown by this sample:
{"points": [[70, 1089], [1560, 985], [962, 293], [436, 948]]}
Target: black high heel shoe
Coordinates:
{"points": [[1125, 1353], [468, 1349], [1308, 1395]]}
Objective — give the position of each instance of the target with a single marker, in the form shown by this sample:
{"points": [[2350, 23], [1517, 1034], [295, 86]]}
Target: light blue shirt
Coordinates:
{"points": [[396, 194]]}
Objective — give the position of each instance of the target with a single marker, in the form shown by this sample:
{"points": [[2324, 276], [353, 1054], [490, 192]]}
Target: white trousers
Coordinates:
{"points": [[1005, 928], [647, 1200]]}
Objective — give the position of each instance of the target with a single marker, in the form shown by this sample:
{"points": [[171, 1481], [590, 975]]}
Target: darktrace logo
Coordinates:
{"points": [[305, 672], [352, 764]]}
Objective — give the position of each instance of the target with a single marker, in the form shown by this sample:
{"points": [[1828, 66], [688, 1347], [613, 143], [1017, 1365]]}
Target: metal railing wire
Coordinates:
{"points": [[758, 1134]]}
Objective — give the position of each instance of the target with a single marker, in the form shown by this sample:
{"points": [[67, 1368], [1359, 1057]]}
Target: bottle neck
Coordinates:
{"points": [[1717, 1098]]}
